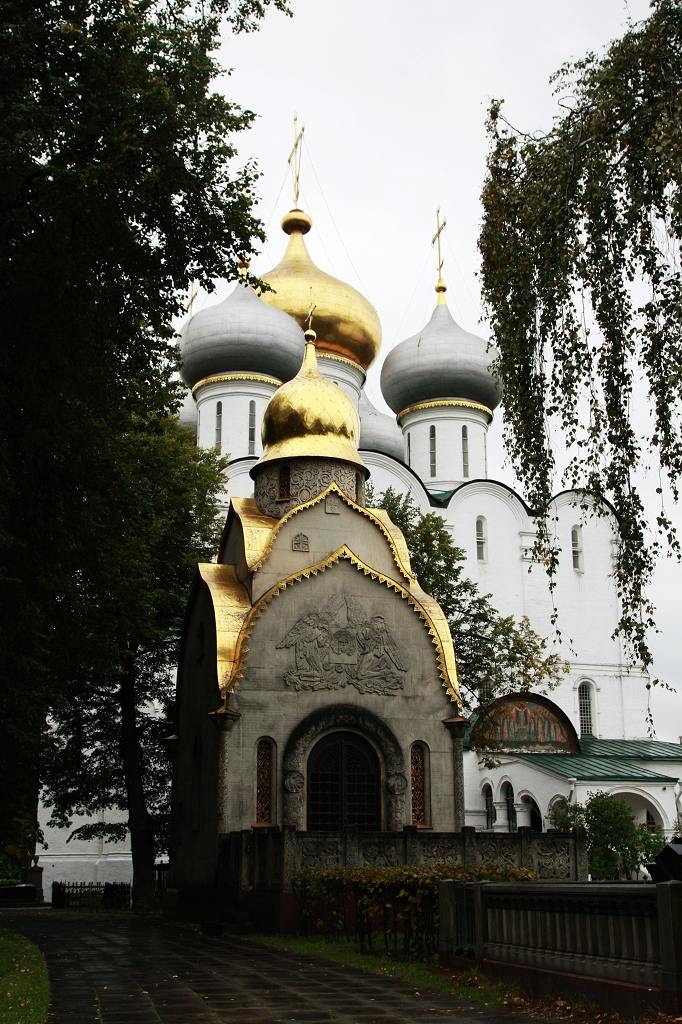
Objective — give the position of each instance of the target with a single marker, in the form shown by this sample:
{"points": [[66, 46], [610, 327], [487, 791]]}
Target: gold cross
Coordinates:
{"points": [[193, 294], [309, 318], [436, 241], [294, 160]]}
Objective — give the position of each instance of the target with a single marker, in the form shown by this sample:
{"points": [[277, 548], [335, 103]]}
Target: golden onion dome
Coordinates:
{"points": [[310, 416], [346, 323]]}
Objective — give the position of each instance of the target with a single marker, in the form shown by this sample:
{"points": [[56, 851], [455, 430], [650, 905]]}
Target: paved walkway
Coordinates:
{"points": [[109, 971]]}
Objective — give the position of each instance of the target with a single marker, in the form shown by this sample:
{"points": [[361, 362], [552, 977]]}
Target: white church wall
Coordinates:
{"points": [[501, 570], [540, 786], [385, 472], [232, 429], [79, 860]]}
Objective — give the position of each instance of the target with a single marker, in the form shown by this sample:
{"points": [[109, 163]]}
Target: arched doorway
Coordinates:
{"points": [[343, 784]]}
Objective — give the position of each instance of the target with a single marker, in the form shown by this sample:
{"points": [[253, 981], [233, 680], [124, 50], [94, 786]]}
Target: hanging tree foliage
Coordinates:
{"points": [[581, 280]]}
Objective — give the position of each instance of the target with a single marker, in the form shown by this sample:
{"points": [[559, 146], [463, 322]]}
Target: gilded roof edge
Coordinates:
{"points": [[256, 529], [428, 610], [231, 607]]}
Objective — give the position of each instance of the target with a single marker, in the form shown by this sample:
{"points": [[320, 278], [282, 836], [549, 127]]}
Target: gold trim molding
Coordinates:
{"points": [[396, 541], [220, 378], [462, 403], [321, 354], [425, 607]]}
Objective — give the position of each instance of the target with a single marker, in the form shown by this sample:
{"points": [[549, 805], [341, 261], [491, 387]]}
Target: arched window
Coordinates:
{"points": [[577, 547], [284, 483], [585, 709], [490, 812], [465, 451], [343, 784], [409, 450], [252, 428], [432, 451], [419, 780], [265, 781], [358, 487], [481, 539], [508, 797], [219, 425]]}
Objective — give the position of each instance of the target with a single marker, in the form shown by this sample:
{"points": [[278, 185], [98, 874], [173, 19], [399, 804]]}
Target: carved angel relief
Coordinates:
{"points": [[340, 646]]}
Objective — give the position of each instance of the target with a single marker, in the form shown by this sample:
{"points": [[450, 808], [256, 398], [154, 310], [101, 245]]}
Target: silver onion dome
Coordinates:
{"points": [[441, 361], [379, 432], [240, 334]]}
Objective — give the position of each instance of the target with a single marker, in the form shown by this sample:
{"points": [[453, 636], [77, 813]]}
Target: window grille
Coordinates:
{"points": [[481, 539], [252, 428], [465, 451], [432, 451], [219, 425], [585, 709], [418, 770], [577, 547], [264, 781], [343, 785]]}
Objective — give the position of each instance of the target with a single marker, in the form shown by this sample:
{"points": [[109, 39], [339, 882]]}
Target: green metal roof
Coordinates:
{"points": [[636, 750], [592, 769]]}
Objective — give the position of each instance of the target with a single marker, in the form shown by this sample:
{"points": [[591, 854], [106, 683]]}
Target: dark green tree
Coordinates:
{"points": [[118, 185], [495, 653], [104, 748], [580, 250], [616, 846]]}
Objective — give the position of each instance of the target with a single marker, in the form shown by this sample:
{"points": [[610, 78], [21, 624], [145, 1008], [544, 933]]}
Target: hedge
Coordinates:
{"points": [[400, 902]]}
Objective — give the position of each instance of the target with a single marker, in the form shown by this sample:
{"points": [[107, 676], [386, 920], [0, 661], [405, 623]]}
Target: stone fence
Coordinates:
{"points": [[618, 943], [265, 859]]}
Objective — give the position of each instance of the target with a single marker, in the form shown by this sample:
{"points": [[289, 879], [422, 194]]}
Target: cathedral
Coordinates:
{"points": [[317, 689]]}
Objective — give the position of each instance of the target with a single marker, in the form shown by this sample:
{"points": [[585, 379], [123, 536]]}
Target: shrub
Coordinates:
{"points": [[401, 902]]}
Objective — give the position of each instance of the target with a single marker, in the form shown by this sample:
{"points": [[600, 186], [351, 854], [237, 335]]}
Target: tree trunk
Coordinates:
{"points": [[139, 820]]}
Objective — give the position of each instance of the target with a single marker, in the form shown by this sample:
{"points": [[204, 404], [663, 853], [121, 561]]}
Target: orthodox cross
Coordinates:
{"points": [[294, 160], [436, 241], [193, 293], [309, 318]]}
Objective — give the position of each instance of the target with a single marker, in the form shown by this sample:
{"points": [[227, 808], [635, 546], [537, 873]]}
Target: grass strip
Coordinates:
{"points": [[468, 985], [24, 984]]}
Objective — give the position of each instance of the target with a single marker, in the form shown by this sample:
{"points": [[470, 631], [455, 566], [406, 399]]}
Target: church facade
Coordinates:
{"points": [[318, 685], [444, 396]]}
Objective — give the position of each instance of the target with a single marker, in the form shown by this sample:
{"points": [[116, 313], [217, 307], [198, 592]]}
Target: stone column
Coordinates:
{"points": [[501, 817], [522, 814], [224, 718], [456, 726]]}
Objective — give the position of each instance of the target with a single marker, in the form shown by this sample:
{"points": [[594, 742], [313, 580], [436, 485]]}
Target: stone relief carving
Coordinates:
{"points": [[442, 853], [300, 543], [340, 645], [309, 477], [396, 784], [378, 854], [321, 853], [503, 853], [293, 782], [332, 504], [553, 859]]}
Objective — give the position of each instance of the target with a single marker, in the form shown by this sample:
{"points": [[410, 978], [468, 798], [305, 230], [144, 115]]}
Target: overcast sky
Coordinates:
{"points": [[394, 96]]}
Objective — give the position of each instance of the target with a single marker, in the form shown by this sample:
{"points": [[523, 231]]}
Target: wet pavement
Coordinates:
{"points": [[127, 971]]}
